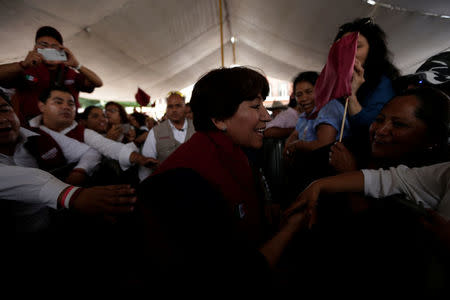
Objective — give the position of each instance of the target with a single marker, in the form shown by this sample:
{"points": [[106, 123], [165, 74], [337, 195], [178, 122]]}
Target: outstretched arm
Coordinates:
{"points": [[35, 186], [346, 182]]}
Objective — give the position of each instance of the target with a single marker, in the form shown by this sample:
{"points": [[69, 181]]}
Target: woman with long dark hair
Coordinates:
{"points": [[373, 72]]}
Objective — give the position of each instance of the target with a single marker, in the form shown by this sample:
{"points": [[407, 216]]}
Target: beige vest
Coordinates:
{"points": [[165, 142]]}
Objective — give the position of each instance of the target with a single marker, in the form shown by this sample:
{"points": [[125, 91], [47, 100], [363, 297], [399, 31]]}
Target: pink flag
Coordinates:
{"points": [[335, 80]]}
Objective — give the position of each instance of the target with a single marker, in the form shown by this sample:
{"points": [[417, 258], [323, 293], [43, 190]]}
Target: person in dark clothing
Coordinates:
{"points": [[199, 216]]}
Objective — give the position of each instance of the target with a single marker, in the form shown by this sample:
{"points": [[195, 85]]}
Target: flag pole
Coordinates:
{"points": [[343, 120]]}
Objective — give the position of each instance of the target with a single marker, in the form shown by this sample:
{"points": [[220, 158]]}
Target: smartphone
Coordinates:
{"points": [[53, 54]]}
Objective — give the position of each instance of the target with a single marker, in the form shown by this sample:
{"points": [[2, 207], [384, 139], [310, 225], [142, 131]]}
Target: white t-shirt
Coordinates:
{"points": [[428, 185]]}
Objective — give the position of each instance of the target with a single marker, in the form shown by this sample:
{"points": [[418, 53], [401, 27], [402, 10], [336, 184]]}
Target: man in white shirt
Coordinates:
{"points": [[58, 117], [166, 137], [34, 191]]}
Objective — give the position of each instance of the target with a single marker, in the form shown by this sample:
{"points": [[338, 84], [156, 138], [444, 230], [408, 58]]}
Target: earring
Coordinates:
{"points": [[224, 129]]}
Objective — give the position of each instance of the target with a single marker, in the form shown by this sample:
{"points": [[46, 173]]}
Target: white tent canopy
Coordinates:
{"points": [[164, 45]]}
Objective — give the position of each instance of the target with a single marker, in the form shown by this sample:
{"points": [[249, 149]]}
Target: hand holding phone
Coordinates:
{"points": [[32, 59], [51, 54]]}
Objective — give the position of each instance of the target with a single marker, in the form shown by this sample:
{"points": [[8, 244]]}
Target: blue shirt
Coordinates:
{"points": [[331, 114], [373, 103]]}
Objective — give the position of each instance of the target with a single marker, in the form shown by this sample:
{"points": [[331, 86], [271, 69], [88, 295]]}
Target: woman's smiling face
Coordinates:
{"points": [[397, 132], [246, 126]]}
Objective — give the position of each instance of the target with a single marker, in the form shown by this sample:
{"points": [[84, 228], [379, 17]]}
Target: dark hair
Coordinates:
{"points": [[309, 76], [433, 110], [46, 93], [139, 117], [85, 114], [378, 62], [219, 93], [49, 31], [122, 112]]}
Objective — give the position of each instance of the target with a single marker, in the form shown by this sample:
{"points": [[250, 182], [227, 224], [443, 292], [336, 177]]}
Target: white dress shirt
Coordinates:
{"points": [[72, 149], [107, 147], [33, 190], [90, 158]]}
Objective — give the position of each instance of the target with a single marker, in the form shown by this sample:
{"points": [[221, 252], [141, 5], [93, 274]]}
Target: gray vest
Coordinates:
{"points": [[165, 142]]}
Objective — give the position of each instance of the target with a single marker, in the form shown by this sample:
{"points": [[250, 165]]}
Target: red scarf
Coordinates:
{"points": [[225, 166]]}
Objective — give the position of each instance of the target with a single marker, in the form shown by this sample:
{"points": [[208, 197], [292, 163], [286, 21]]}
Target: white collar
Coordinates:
{"points": [[24, 134], [37, 122], [185, 125]]}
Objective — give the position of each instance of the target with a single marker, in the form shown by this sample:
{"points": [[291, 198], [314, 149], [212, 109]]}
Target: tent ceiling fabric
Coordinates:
{"points": [[163, 45]]}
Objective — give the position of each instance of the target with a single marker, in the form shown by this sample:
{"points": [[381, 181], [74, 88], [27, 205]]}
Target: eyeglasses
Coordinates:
{"points": [[47, 45], [112, 110]]}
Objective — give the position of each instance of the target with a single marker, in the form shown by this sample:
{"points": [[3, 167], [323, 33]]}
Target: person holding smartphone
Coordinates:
{"points": [[39, 70]]}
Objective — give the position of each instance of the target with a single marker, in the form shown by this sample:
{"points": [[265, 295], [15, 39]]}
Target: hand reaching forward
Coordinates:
{"points": [[306, 202], [149, 162], [108, 201]]}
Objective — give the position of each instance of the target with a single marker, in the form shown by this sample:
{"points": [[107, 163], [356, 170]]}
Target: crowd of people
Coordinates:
{"points": [[221, 196]]}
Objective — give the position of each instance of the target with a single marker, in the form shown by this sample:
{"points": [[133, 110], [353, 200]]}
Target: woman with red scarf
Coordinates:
{"points": [[200, 212]]}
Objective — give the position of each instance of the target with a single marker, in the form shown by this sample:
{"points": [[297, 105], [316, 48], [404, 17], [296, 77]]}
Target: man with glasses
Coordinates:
{"points": [[165, 138], [35, 74]]}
